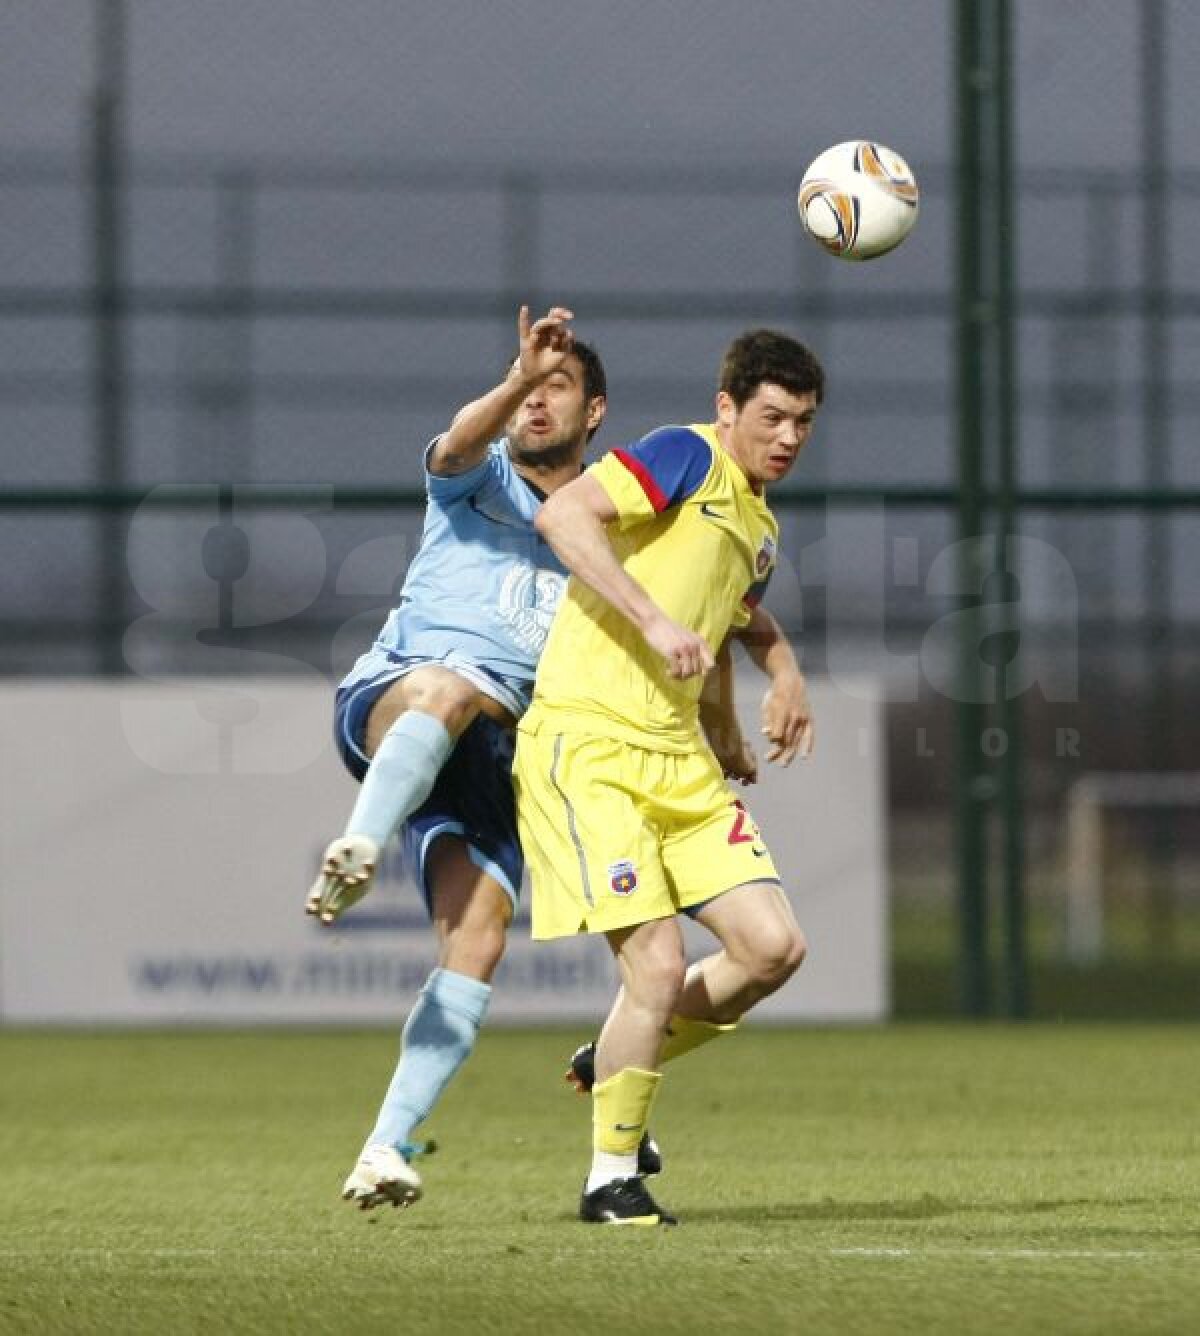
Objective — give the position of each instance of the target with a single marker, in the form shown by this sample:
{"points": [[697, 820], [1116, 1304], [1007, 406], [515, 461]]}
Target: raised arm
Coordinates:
{"points": [[572, 521], [544, 347], [786, 714]]}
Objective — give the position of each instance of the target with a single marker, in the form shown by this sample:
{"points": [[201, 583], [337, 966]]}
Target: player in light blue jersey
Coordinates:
{"points": [[425, 717]]}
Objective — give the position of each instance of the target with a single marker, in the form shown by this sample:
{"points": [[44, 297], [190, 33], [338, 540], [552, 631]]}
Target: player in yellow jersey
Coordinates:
{"points": [[625, 814]]}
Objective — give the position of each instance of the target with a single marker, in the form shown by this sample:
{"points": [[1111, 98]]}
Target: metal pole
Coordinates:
{"points": [[108, 321], [1156, 249], [972, 783], [1012, 760], [237, 202]]}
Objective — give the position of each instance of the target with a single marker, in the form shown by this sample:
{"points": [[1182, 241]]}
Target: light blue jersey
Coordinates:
{"points": [[482, 589]]}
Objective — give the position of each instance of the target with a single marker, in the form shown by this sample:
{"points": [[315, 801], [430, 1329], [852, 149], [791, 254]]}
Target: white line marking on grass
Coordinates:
{"points": [[919, 1254], [157, 1252], [1022, 1254]]}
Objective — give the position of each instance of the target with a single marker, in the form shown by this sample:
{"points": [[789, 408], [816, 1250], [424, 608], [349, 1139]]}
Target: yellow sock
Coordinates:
{"points": [[685, 1034], [621, 1110]]}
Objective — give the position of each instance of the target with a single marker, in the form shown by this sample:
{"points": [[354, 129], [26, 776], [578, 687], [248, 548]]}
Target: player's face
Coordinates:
{"points": [[768, 432], [555, 416]]}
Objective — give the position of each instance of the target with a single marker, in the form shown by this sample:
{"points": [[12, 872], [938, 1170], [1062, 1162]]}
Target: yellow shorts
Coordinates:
{"points": [[615, 835]]}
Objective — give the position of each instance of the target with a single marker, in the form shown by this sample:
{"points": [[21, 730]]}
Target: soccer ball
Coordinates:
{"points": [[858, 200]]}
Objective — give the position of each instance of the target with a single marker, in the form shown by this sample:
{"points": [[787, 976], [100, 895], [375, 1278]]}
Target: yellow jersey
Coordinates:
{"points": [[694, 534]]}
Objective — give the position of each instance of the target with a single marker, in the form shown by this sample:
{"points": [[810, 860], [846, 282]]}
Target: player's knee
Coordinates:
{"points": [[779, 954], [475, 949], [797, 950], [655, 967], [662, 974], [444, 695]]}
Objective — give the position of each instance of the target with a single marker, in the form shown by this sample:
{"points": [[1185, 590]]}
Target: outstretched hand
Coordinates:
{"points": [[546, 343]]}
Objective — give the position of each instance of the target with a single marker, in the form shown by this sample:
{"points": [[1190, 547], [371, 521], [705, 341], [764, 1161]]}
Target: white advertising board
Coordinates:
{"points": [[157, 841]]}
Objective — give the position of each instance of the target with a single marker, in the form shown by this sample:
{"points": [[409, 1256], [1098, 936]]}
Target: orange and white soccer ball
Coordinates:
{"points": [[858, 200]]}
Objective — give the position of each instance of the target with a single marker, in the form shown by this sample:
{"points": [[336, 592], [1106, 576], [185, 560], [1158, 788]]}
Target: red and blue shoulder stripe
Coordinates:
{"points": [[670, 464]]}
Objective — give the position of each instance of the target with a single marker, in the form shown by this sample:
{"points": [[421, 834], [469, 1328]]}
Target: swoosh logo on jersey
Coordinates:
{"points": [[712, 512]]}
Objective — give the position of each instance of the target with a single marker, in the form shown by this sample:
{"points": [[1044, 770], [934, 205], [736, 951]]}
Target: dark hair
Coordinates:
{"points": [[595, 382], [765, 356]]}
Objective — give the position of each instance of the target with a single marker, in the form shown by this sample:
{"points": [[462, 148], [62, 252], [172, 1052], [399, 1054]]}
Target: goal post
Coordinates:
{"points": [[1088, 799]]}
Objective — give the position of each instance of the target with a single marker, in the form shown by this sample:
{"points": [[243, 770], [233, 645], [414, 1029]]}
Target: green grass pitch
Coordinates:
{"points": [[908, 1179]]}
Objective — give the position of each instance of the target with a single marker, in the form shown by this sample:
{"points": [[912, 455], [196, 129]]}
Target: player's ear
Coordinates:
{"points": [[726, 408], [596, 409]]}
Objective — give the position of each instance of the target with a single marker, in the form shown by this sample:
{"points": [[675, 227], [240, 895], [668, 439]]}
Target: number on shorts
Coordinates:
{"points": [[744, 830]]}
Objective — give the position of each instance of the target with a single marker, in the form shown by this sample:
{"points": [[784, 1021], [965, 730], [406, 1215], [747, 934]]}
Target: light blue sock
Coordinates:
{"points": [[400, 775], [438, 1037]]}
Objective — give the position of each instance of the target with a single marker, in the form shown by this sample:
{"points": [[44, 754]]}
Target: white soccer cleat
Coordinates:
{"points": [[347, 871], [382, 1175]]}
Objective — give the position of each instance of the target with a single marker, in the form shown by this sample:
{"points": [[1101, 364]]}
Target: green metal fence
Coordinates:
{"points": [[148, 358]]}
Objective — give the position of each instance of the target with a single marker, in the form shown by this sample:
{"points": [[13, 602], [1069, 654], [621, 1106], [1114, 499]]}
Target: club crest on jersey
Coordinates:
{"points": [[766, 557], [622, 877]]}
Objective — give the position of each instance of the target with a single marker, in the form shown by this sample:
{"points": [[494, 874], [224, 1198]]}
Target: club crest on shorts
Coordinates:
{"points": [[622, 877], [766, 557]]}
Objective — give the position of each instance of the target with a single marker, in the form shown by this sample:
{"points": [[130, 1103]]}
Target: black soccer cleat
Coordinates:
{"points": [[581, 1073], [649, 1161], [581, 1069], [624, 1201]]}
